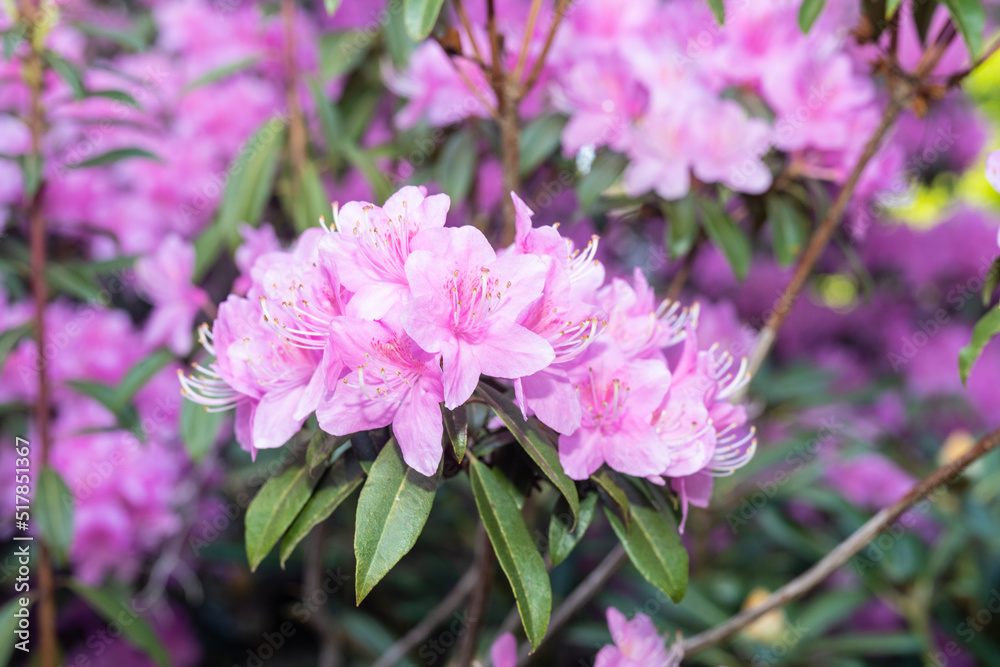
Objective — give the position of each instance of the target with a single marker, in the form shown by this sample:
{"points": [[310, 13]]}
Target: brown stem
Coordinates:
{"points": [[297, 145], [33, 74], [845, 550], [464, 18], [510, 149], [529, 30], [484, 565], [432, 620], [536, 69]]}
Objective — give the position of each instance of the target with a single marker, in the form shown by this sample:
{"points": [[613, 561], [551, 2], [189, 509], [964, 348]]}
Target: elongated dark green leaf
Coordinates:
{"points": [[249, 185], [127, 39], [970, 19], [420, 17], [457, 166], [31, 167], [989, 283], [116, 155], [514, 550], [341, 52], [392, 510], [113, 608], [539, 140], [127, 417], [199, 429], [534, 443], [724, 233], [563, 535], [308, 201], [68, 72], [8, 626], [718, 8], [655, 548], [615, 493], [456, 423], [984, 331], [53, 509], [788, 229], [323, 445], [140, 374], [809, 11], [682, 225], [116, 95], [274, 509], [10, 338], [337, 484], [220, 73], [603, 173]]}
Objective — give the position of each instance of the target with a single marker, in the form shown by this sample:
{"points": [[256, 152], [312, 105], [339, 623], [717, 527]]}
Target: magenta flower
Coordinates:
{"points": [[372, 244], [618, 398], [389, 381], [993, 172], [164, 278], [503, 653], [257, 242], [637, 643], [466, 303]]}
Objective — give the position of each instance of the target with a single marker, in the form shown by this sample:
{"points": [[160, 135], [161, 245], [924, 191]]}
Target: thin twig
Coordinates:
{"points": [[432, 620], [33, 75], [845, 550], [464, 18], [529, 30], [536, 69], [580, 596], [958, 77], [485, 562]]}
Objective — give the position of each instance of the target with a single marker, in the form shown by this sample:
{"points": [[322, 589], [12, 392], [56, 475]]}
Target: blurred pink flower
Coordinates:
{"points": [[637, 643], [164, 279]]}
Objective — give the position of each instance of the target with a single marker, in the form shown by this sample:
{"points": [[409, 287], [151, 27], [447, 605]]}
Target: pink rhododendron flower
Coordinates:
{"points": [[503, 653], [164, 277], [389, 381], [993, 169], [257, 242], [637, 643], [466, 302]]}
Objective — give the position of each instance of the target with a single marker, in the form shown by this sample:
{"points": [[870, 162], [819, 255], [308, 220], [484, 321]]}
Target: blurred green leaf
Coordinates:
{"points": [[539, 140], [923, 14], [984, 331], [514, 550], [340, 52], [654, 547], [891, 7], [116, 155], [563, 535], [31, 166], [970, 20], [331, 6], [11, 337], [199, 429], [127, 39], [67, 72], [718, 8], [53, 509], [728, 236], [682, 224], [457, 166], [336, 485], [220, 73], [991, 281], [322, 446], [112, 608], [809, 11], [392, 510], [535, 443], [420, 16], [869, 644], [273, 510], [605, 170], [116, 95], [616, 494], [789, 229]]}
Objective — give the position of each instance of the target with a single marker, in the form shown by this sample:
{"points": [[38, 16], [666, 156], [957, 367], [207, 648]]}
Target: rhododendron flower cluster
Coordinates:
{"points": [[388, 314]]}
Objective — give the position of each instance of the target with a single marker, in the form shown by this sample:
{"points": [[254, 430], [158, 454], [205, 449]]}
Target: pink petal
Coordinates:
{"points": [[580, 453], [503, 653], [418, 429], [508, 350], [273, 421]]}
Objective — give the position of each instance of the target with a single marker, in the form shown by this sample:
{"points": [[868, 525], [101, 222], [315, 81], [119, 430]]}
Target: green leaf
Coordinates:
{"points": [[220, 73], [603, 173], [728, 236], [31, 166], [420, 16], [970, 20], [53, 507], [718, 11], [539, 140], [655, 548], [563, 535], [250, 182], [615, 493], [457, 166], [123, 38], [11, 337], [923, 14], [322, 445], [682, 225], [331, 6], [538, 447], [113, 608], [342, 51], [116, 95], [514, 550], [808, 13], [984, 331], [273, 510], [199, 429], [989, 283], [139, 375], [456, 424], [113, 156], [392, 510], [311, 202], [337, 484], [68, 72], [8, 626], [788, 228], [891, 6]]}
